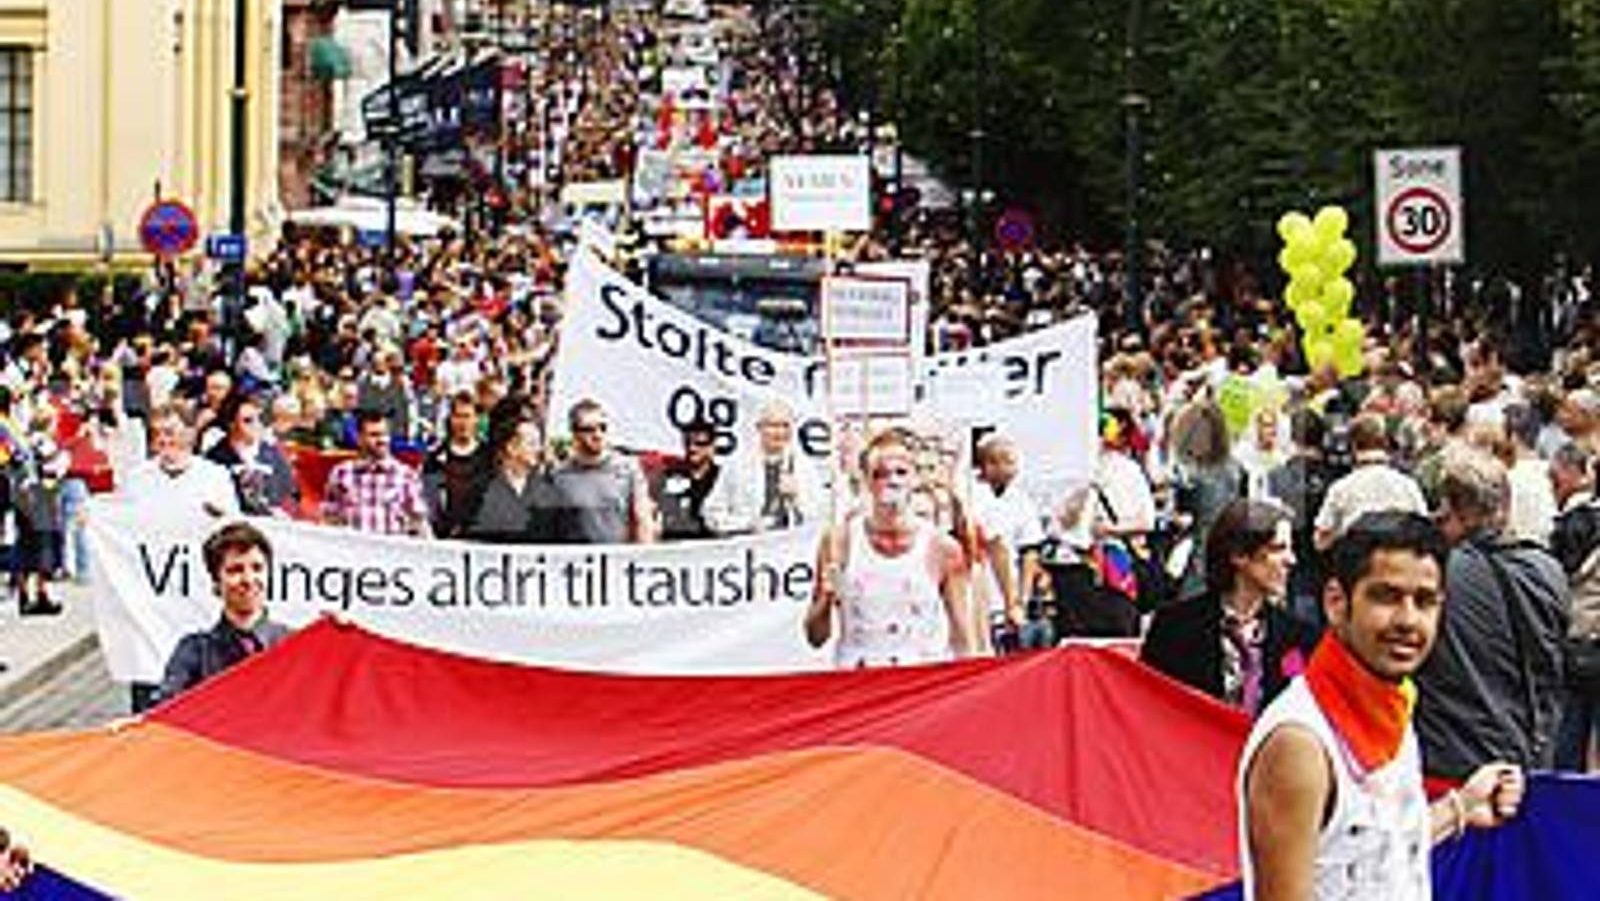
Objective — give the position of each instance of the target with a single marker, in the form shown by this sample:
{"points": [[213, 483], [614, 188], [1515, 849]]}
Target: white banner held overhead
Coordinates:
{"points": [[821, 193], [867, 310], [733, 606], [656, 368]]}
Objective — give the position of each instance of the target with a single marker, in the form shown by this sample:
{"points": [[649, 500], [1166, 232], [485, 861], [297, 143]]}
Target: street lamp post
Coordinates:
{"points": [[1134, 105], [239, 102], [979, 86], [392, 150]]}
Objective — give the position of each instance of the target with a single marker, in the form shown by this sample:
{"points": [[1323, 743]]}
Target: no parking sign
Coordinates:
{"points": [[1419, 211]]}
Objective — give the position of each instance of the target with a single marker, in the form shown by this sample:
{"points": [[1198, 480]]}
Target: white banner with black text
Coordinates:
{"points": [[656, 368], [731, 606]]}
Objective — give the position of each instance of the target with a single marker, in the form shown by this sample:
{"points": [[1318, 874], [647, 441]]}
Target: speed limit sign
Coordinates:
{"points": [[1419, 215]]}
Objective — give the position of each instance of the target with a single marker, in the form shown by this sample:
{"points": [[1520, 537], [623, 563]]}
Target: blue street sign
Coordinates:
{"points": [[227, 248]]}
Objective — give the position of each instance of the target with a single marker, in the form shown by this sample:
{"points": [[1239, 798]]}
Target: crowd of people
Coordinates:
{"points": [[406, 395]]}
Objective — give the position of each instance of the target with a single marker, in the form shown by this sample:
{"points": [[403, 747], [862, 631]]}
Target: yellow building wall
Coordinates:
{"points": [[129, 94]]}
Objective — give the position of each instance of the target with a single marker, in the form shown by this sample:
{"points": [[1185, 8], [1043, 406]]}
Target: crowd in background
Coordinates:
{"points": [[408, 396]]}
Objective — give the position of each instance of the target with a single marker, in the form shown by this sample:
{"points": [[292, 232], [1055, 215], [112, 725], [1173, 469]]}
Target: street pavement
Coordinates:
{"points": [[55, 676]]}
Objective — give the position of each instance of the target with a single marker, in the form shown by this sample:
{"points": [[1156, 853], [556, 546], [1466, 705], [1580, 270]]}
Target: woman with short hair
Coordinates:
{"points": [[1236, 641]]}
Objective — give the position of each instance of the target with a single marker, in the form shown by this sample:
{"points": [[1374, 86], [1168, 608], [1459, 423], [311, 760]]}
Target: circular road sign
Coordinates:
{"points": [[1014, 230], [168, 228], [1419, 220]]}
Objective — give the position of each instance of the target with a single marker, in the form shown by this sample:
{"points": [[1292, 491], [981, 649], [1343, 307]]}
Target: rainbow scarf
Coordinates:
{"points": [[1369, 713]]}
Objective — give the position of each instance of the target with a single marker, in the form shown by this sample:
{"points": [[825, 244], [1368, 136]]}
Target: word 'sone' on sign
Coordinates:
{"points": [[1419, 206], [821, 193]]}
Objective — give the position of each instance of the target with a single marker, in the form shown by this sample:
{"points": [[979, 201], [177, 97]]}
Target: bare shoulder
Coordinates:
{"points": [[1290, 769]]}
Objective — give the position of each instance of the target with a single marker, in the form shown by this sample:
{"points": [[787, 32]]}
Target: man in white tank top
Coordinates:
{"points": [[897, 585], [1331, 801]]}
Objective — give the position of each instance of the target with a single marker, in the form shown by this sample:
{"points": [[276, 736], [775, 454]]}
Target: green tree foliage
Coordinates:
{"points": [[1253, 107]]}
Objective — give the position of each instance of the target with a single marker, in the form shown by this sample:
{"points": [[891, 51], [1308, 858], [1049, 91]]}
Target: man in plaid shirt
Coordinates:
{"points": [[375, 492]]}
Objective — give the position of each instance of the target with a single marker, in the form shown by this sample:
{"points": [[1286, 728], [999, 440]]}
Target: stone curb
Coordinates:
{"points": [[48, 668]]}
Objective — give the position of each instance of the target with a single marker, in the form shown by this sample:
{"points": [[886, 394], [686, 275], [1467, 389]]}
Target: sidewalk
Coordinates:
{"points": [[36, 648]]}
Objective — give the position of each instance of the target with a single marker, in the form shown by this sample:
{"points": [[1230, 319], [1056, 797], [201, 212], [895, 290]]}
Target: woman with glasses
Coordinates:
{"points": [[896, 584]]}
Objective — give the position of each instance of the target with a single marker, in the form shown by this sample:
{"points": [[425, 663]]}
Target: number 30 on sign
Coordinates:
{"points": [[1418, 206]]}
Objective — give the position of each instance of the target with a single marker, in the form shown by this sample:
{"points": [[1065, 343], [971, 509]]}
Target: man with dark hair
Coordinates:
{"points": [[1331, 798], [681, 487], [375, 492], [1236, 642], [455, 469], [1492, 689], [238, 558]]}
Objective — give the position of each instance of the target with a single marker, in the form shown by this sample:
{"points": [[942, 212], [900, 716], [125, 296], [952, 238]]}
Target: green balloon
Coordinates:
{"points": [[1349, 335], [1237, 398], [1347, 362], [1309, 273], [1293, 225], [1299, 293], [1319, 352], [1339, 257], [1287, 261], [1331, 223], [1337, 296]]}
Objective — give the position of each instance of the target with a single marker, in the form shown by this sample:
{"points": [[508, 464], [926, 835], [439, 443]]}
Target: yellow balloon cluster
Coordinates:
{"points": [[1316, 256]]}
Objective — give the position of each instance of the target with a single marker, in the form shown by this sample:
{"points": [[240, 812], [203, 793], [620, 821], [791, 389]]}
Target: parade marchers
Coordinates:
{"points": [[408, 396]]}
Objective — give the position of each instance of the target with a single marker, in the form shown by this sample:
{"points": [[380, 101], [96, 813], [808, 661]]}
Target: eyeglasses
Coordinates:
{"points": [[700, 441], [590, 428]]}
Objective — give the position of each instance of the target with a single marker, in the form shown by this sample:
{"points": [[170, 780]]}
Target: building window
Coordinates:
{"points": [[16, 124]]}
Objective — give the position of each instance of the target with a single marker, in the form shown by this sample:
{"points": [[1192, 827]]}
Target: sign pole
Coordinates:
{"points": [[830, 245]]}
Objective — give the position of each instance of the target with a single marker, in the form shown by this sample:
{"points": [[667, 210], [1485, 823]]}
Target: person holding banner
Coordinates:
{"points": [[376, 492], [775, 487], [511, 506], [896, 584], [598, 496], [262, 477], [238, 557], [1331, 797], [680, 490]]}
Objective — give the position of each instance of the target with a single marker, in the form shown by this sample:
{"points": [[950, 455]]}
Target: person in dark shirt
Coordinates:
{"points": [[238, 557], [1301, 484], [262, 477], [511, 505], [453, 474], [1236, 642], [680, 489]]}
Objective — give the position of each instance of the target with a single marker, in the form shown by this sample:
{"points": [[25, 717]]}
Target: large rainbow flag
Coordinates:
{"points": [[344, 765]]}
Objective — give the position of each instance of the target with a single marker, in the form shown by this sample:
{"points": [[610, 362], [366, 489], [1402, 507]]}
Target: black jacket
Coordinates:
{"points": [[1185, 643], [1492, 688]]}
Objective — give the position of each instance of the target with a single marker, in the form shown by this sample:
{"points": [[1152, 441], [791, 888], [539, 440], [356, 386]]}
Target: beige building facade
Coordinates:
{"points": [[104, 102]]}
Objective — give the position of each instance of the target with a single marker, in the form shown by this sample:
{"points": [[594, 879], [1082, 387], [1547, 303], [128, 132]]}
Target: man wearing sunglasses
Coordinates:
{"points": [[598, 496], [680, 490]]}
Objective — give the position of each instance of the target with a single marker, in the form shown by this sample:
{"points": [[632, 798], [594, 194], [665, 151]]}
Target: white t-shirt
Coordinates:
{"points": [[1369, 488], [203, 485], [1533, 501], [1013, 517]]}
